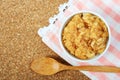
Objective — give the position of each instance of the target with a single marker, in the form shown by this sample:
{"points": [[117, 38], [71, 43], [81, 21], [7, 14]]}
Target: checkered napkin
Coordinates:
{"points": [[110, 10]]}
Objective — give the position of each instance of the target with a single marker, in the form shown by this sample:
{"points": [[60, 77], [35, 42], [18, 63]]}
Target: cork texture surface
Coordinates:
{"points": [[20, 43]]}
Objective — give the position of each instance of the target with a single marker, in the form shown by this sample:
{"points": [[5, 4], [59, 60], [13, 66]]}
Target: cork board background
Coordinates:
{"points": [[20, 43]]}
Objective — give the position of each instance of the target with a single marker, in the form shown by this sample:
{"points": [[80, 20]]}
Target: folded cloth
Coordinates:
{"points": [[110, 10]]}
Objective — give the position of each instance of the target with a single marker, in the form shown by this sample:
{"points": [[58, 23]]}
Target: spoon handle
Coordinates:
{"points": [[96, 68]]}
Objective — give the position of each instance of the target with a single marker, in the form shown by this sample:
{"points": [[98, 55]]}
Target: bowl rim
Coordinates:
{"points": [[66, 53]]}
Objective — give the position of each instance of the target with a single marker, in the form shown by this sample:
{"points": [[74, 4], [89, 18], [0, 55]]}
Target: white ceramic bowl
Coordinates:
{"points": [[66, 53]]}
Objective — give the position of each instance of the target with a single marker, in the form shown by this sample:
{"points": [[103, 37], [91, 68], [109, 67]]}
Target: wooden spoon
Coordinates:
{"points": [[49, 66]]}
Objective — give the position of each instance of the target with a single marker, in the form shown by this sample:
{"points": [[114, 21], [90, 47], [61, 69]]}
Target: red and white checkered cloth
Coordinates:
{"points": [[110, 11]]}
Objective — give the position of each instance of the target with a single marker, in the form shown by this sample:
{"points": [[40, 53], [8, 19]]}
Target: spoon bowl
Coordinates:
{"points": [[45, 66]]}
